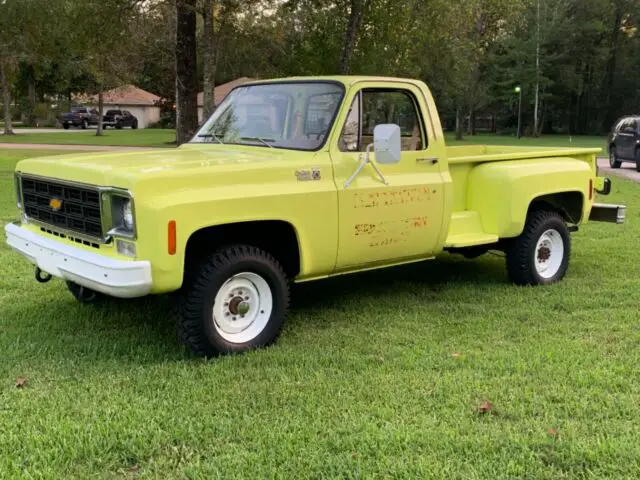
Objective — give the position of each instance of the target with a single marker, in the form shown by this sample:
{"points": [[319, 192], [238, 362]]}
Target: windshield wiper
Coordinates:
{"points": [[211, 135], [264, 141]]}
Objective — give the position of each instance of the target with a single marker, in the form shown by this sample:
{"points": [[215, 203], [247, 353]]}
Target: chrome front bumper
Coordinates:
{"points": [[118, 278]]}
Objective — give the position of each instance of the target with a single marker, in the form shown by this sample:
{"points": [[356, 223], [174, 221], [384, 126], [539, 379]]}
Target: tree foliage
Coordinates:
{"points": [[575, 60]]}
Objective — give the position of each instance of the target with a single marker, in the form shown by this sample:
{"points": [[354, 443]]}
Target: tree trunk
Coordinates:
{"points": [[459, 124], [186, 71], [100, 113], [350, 36], [472, 122], [6, 99], [537, 87], [609, 117], [210, 60], [31, 98]]}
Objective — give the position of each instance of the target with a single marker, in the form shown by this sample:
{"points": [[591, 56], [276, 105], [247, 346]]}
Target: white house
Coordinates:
{"points": [[219, 93], [142, 104]]}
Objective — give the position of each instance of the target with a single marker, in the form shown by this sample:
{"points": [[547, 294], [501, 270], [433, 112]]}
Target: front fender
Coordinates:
{"points": [[501, 192]]}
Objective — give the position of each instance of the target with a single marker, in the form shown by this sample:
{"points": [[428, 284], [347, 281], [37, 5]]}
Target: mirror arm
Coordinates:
{"points": [[364, 159]]}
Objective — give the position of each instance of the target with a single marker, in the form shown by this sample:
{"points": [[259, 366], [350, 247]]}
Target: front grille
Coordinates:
{"points": [[79, 211]]}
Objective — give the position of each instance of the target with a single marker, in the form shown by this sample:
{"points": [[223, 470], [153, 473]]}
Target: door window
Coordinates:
{"points": [[372, 107]]}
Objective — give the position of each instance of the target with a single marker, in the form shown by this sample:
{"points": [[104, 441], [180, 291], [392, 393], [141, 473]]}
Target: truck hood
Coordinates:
{"points": [[128, 169]]}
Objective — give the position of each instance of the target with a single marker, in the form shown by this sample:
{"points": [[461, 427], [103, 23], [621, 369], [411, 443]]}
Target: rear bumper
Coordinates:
{"points": [[606, 212], [124, 279]]}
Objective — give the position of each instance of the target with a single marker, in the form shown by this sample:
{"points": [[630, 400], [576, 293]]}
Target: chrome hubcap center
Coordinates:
{"points": [[237, 306]]}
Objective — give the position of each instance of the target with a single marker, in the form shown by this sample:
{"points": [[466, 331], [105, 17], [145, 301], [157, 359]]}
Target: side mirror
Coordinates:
{"points": [[386, 143]]}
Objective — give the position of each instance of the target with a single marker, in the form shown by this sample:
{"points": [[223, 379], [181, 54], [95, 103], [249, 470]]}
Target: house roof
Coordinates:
{"points": [[124, 95], [223, 90]]}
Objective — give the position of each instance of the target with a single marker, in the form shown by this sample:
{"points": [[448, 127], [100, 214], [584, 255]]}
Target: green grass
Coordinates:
{"points": [[362, 384], [150, 137], [165, 138]]}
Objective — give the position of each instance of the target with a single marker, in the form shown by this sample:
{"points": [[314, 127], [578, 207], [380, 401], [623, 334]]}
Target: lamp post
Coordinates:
{"points": [[518, 90]]}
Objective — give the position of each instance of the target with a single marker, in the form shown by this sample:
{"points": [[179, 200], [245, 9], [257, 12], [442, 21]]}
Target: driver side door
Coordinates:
{"points": [[385, 224]]}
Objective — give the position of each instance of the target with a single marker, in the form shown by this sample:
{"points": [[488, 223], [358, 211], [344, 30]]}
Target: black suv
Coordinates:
{"points": [[624, 142], [119, 119]]}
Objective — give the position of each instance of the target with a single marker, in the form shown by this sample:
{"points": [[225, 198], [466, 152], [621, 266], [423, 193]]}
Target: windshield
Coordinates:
{"points": [[295, 115]]}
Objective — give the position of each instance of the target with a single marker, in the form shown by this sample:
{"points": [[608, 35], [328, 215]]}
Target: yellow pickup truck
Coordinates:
{"points": [[296, 179]]}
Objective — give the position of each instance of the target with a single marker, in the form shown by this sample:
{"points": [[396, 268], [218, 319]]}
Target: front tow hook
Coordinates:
{"points": [[42, 277]]}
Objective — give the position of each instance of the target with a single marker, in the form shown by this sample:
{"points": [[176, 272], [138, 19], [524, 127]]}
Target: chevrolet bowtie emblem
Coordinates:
{"points": [[55, 204]]}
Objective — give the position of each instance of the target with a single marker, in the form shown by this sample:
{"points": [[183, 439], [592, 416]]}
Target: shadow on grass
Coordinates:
{"points": [[142, 331], [447, 274]]}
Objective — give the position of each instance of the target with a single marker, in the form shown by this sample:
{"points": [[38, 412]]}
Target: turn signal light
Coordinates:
{"points": [[171, 244]]}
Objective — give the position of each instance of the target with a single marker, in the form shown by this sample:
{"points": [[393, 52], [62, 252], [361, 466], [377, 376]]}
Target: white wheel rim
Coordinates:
{"points": [[549, 253], [242, 307]]}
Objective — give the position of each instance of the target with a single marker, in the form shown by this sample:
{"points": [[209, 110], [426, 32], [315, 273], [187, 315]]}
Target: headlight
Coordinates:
{"points": [[122, 216], [18, 191], [127, 214]]}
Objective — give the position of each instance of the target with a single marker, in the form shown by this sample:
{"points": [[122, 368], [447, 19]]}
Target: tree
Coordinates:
{"points": [[186, 71], [356, 12]]}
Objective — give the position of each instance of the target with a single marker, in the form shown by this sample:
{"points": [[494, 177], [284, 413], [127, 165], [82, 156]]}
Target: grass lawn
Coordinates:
{"points": [[375, 376], [165, 138], [580, 141], [150, 137]]}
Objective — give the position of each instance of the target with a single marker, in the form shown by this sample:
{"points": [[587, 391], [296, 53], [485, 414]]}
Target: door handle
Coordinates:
{"points": [[429, 160]]}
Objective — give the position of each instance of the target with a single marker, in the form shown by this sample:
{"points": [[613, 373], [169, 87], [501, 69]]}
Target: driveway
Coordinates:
{"points": [[23, 131], [627, 170], [87, 148]]}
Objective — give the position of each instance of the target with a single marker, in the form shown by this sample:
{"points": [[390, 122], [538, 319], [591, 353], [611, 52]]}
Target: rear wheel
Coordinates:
{"points": [[84, 294], [236, 301], [85, 125], [134, 125], [118, 125], [540, 255], [637, 157], [613, 158], [66, 126]]}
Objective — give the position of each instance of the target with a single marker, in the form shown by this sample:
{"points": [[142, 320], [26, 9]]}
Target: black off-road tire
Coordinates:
{"points": [[66, 126], [521, 254], [85, 125], [613, 158], [134, 125], [118, 125], [84, 294], [196, 328]]}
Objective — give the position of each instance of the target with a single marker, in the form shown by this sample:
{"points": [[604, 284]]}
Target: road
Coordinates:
{"points": [[22, 131], [88, 148], [627, 170]]}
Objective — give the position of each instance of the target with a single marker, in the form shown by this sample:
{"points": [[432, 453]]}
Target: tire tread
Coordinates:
{"points": [[190, 323], [518, 259]]}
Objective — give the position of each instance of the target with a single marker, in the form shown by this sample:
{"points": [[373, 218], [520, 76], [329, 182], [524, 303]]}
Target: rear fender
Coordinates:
{"points": [[503, 192]]}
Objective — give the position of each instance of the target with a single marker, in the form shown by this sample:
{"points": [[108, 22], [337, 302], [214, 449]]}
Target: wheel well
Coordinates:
{"points": [[275, 237], [567, 204]]}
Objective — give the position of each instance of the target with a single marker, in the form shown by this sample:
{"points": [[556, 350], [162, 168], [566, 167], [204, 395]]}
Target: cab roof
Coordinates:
{"points": [[344, 79]]}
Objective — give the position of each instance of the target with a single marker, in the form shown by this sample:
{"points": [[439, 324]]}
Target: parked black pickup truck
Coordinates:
{"points": [[79, 117], [119, 119]]}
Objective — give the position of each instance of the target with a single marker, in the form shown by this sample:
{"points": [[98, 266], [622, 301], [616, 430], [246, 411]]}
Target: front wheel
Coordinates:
{"points": [[613, 158], [237, 301], [85, 125], [540, 255]]}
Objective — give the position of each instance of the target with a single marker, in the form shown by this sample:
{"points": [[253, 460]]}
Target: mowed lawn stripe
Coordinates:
{"points": [[375, 375]]}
